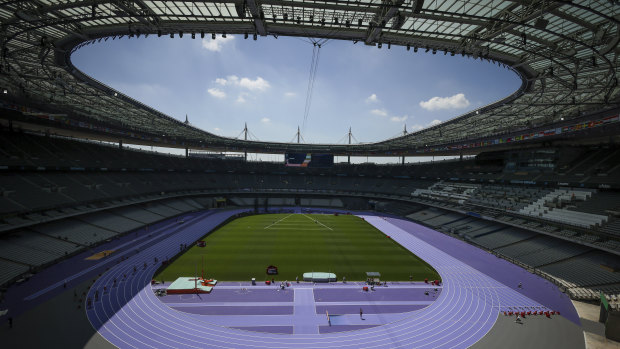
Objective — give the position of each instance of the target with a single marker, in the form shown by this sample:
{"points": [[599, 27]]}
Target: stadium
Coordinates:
{"points": [[511, 241]]}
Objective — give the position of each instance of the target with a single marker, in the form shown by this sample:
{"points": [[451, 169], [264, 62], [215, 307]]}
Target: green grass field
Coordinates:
{"points": [[298, 243]]}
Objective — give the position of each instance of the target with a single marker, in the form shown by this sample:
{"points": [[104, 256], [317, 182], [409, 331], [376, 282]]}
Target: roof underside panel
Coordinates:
{"points": [[566, 54]]}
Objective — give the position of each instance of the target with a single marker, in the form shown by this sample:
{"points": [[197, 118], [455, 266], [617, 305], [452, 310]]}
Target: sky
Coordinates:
{"points": [[224, 83]]}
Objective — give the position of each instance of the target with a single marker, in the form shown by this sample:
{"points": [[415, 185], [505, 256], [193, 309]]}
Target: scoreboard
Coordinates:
{"points": [[309, 160]]}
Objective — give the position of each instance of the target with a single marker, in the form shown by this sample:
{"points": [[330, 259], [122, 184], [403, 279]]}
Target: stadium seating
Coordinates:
{"points": [[66, 195]]}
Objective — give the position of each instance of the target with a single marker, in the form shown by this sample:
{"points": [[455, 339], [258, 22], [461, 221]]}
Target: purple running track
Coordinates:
{"points": [[131, 316]]}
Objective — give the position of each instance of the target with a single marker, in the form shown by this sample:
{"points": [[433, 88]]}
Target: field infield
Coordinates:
{"points": [[297, 243]]}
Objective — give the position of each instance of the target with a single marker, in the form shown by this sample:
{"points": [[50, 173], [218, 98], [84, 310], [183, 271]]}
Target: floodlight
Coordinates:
{"points": [[254, 37], [224, 35], [408, 47], [389, 45], [180, 34], [212, 36], [379, 46], [193, 35], [202, 34], [245, 35], [171, 35], [158, 33]]}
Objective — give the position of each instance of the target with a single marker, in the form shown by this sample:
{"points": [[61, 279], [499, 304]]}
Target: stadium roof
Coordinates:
{"points": [[566, 54]]}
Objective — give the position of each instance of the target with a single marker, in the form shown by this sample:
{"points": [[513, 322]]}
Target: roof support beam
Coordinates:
{"points": [[258, 19], [388, 10]]}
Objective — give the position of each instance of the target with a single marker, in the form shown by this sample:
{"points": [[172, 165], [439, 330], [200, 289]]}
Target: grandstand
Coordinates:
{"points": [[537, 200]]}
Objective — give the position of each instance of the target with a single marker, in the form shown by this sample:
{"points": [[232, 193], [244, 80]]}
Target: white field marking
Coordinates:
{"points": [[315, 220], [304, 229], [276, 222]]}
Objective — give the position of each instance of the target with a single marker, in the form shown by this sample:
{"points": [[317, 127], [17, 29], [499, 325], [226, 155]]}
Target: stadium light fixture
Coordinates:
{"points": [[415, 49], [159, 33], [389, 45], [254, 36], [434, 51], [427, 49], [224, 35], [193, 35], [171, 35], [181, 34], [379, 46], [212, 36], [5, 91], [202, 34], [245, 35], [408, 47], [115, 94]]}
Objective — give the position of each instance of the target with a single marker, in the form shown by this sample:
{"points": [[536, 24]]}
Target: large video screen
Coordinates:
{"points": [[309, 160]]}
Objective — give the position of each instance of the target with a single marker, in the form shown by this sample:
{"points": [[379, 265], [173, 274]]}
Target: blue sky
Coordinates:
{"points": [[224, 83]]}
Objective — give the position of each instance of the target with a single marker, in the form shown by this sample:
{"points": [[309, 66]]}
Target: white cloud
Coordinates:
{"points": [[216, 45], [434, 122], [217, 93], [259, 84], [398, 119], [290, 94], [454, 102], [216, 129], [229, 80], [241, 98], [379, 112], [265, 120], [372, 99]]}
